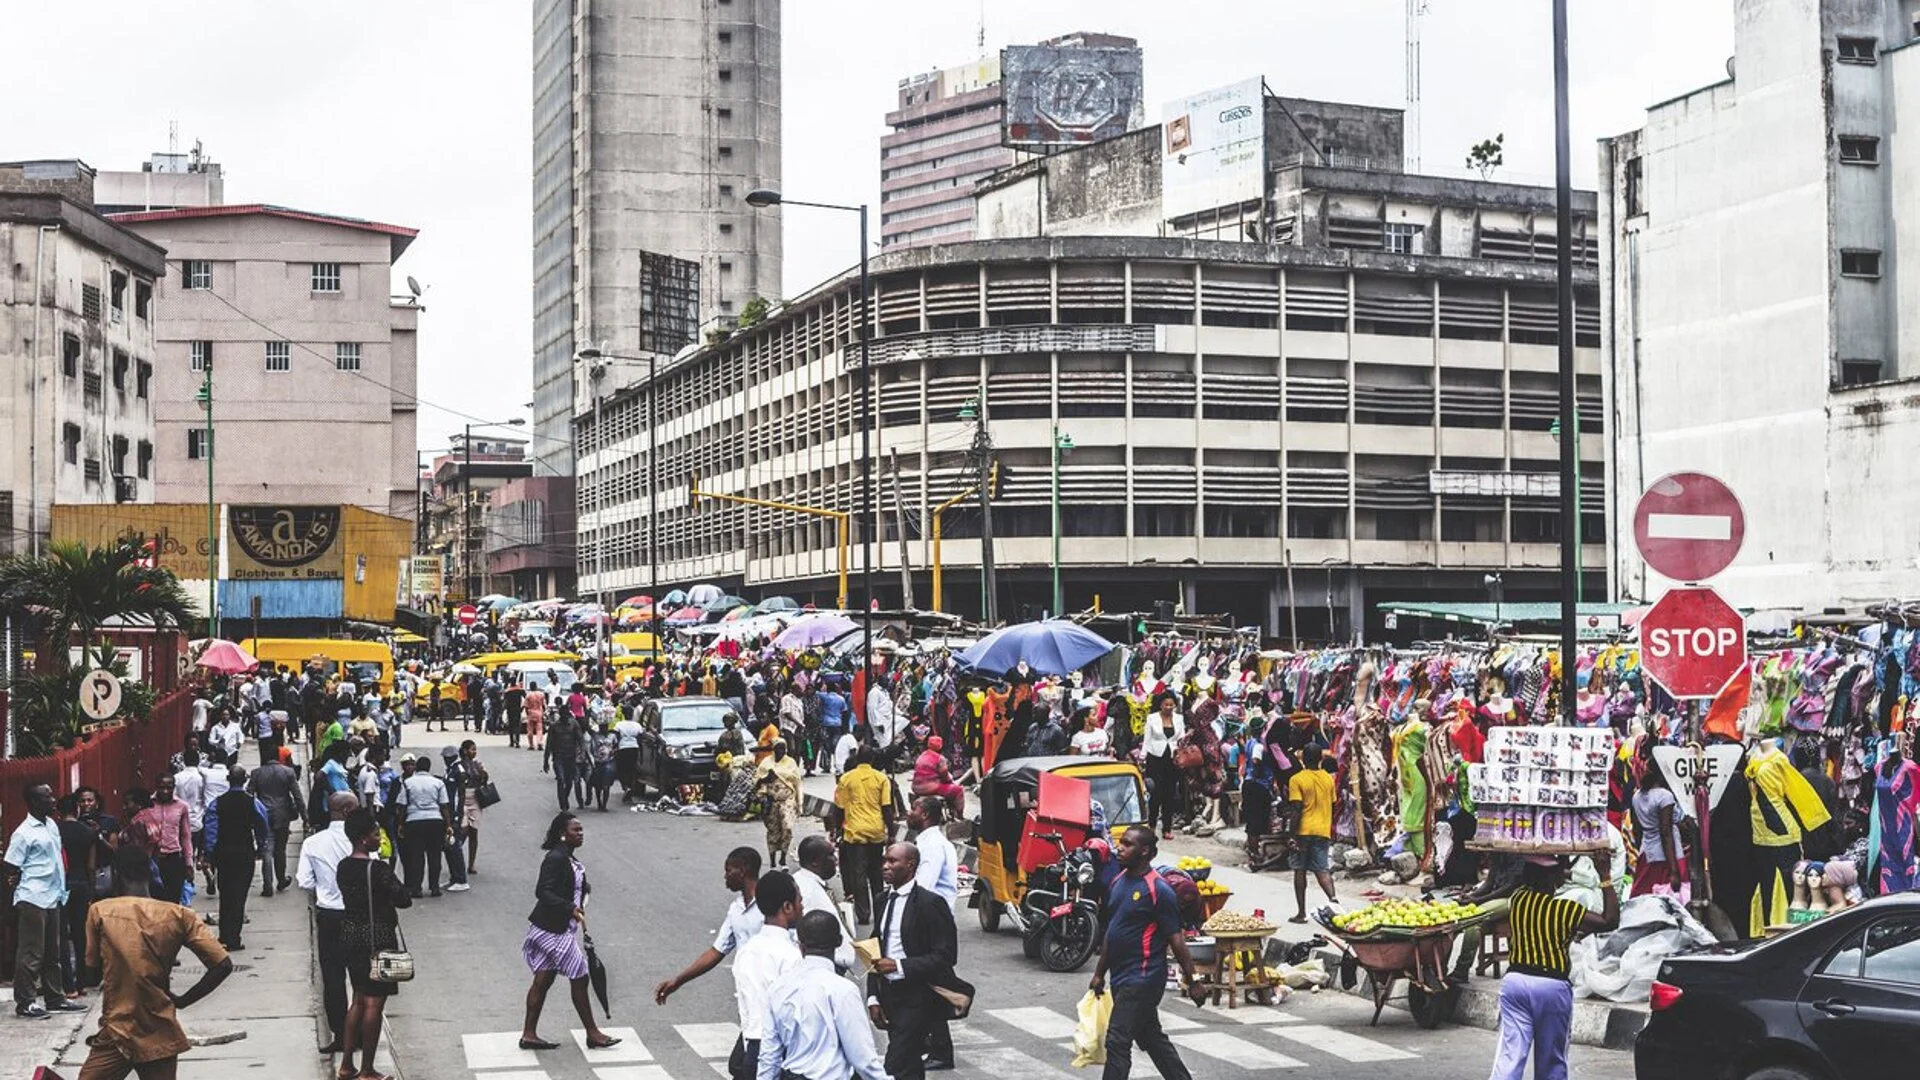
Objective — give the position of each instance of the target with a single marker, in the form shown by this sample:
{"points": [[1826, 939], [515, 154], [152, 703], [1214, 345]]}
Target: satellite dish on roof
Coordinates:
{"points": [[413, 287]]}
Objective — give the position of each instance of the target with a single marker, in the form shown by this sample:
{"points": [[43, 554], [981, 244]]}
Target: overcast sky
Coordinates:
{"points": [[418, 113]]}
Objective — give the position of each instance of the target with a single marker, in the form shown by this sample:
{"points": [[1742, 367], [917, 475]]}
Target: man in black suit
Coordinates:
{"points": [[918, 948]]}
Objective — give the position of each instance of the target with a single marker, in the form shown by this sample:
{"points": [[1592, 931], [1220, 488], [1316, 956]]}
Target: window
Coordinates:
{"points": [[726, 37], [199, 355], [726, 74], [142, 300], [1859, 372], [93, 470], [1859, 150], [1860, 264], [1404, 239], [726, 191], [346, 356], [121, 364], [1858, 50], [726, 228], [90, 303], [120, 448], [326, 277], [199, 444], [70, 355], [197, 273], [117, 293], [143, 381], [726, 151], [725, 266], [144, 461], [724, 113], [1893, 952], [279, 356], [70, 443]]}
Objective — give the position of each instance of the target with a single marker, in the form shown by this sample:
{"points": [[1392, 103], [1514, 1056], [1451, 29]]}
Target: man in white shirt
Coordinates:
{"points": [[880, 717], [423, 834], [743, 920], [819, 861], [626, 756], [213, 784], [320, 856], [815, 1024], [226, 737], [939, 862], [843, 750], [769, 954], [202, 711]]}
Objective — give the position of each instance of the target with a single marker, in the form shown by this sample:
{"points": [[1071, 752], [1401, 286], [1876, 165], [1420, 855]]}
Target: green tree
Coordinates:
{"points": [[1487, 155], [69, 594]]}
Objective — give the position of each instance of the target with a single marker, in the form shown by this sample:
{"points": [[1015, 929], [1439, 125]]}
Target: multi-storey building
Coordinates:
{"points": [[1358, 409], [947, 135], [455, 506], [651, 122], [1762, 289], [167, 181], [315, 369], [77, 337]]}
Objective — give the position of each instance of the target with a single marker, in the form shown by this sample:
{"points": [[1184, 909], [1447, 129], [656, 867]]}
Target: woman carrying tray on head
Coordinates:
{"points": [[1536, 998]]}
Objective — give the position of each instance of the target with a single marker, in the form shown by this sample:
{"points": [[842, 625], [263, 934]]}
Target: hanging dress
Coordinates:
{"points": [[1897, 800], [1409, 746]]}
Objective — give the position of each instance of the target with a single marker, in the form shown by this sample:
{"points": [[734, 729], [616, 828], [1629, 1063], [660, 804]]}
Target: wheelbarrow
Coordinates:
{"points": [[1418, 956]]}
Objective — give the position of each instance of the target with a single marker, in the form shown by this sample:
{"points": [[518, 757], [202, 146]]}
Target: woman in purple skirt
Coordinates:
{"points": [[553, 945]]}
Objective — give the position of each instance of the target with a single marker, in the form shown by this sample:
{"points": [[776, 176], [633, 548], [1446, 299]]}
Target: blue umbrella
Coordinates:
{"points": [[1050, 647]]}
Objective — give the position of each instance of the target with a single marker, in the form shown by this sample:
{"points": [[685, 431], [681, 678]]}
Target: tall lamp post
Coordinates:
{"points": [[1062, 446], [599, 357], [764, 197], [1569, 415], [467, 530], [213, 526]]}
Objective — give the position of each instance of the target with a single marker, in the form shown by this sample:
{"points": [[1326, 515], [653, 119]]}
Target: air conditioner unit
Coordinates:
{"points": [[125, 489]]}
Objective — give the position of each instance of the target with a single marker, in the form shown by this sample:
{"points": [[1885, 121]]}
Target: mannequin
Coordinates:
{"points": [[1783, 806], [1896, 798]]}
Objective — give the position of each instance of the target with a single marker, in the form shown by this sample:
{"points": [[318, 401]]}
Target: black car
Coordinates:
{"points": [[678, 744], [1837, 999]]}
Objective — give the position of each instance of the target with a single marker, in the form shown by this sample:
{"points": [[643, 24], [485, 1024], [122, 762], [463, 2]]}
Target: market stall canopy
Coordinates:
{"points": [[725, 603], [776, 603], [687, 614], [226, 658], [675, 599], [640, 601], [702, 595], [819, 628], [1050, 647]]}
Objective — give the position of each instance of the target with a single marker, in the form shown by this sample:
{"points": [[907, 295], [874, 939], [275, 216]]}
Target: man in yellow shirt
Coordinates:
{"points": [[862, 823], [1312, 788]]}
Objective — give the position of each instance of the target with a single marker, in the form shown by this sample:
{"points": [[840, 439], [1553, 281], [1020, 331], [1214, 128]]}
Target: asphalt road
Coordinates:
{"points": [[657, 903]]}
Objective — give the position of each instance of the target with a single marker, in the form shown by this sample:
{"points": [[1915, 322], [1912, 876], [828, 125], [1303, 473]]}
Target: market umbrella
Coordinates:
{"points": [[738, 613], [819, 628], [1050, 647], [776, 603], [675, 599], [225, 657], [704, 594], [642, 600], [500, 603], [687, 615], [637, 618]]}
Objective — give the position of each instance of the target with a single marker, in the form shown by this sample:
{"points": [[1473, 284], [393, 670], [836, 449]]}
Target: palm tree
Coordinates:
{"points": [[71, 592]]}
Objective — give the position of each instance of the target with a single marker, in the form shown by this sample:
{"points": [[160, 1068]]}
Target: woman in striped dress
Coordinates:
{"points": [[554, 944]]}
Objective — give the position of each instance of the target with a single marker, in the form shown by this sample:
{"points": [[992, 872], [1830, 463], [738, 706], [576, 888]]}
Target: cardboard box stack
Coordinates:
{"points": [[1542, 789]]}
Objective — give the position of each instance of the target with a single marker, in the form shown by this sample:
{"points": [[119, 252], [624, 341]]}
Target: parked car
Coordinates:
{"points": [[678, 745], [1836, 999]]}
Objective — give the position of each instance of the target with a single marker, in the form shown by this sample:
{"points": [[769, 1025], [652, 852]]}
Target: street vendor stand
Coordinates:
{"points": [[1220, 975]]}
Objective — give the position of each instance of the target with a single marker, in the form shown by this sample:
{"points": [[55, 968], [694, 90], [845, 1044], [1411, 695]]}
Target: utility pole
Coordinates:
{"points": [[213, 521], [900, 527], [981, 454], [1569, 416]]}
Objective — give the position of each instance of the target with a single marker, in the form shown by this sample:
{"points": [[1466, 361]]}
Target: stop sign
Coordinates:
{"points": [[467, 614], [1692, 642], [1689, 526]]}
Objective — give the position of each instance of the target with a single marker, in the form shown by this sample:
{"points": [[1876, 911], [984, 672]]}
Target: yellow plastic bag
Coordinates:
{"points": [[1090, 1037]]}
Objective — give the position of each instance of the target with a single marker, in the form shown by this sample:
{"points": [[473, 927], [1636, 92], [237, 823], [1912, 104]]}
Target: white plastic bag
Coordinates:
{"points": [[1310, 974], [1090, 1036]]}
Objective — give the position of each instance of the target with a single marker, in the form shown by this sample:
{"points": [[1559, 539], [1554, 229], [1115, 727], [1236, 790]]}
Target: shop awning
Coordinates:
{"points": [[1596, 619]]}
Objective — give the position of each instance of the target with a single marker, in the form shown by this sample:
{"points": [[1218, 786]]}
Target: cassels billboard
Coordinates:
{"points": [[1065, 95], [284, 542], [1215, 156]]}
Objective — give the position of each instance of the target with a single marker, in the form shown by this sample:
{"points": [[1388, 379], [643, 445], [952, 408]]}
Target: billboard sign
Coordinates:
{"points": [[171, 537], [284, 543], [1215, 155], [424, 585], [1065, 95]]}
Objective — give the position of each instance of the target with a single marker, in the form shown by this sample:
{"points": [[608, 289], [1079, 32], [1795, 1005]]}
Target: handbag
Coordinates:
{"points": [[389, 965], [1188, 757], [486, 795]]}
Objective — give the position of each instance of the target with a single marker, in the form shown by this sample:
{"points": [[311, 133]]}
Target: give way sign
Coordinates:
{"points": [[1685, 774], [1692, 642]]}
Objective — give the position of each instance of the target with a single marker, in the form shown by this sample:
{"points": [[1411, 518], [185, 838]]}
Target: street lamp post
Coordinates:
{"points": [[763, 197], [653, 473], [1062, 446], [467, 530], [213, 525], [1569, 415]]}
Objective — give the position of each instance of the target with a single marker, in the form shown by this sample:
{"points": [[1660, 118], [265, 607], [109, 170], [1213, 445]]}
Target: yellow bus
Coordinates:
{"points": [[488, 663], [362, 662]]}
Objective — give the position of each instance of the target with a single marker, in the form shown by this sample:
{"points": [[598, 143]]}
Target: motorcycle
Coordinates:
{"points": [[1060, 915]]}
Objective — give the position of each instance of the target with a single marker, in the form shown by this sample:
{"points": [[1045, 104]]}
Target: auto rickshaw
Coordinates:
{"points": [[1012, 788]]}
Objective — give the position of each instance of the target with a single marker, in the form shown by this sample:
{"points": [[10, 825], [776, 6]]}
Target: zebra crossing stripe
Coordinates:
{"points": [[517, 1074], [1039, 1022], [629, 1048], [627, 1072], [1235, 1051], [1005, 1061], [497, 1050], [1253, 1015], [1342, 1044], [709, 1040]]}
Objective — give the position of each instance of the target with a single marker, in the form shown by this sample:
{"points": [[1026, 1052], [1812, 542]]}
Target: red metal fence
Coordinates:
{"points": [[112, 762]]}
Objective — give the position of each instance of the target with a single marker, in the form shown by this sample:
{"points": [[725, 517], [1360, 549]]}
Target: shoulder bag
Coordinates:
{"points": [[389, 965]]}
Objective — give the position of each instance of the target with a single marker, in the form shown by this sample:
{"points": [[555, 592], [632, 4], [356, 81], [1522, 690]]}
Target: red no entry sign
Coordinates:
{"points": [[467, 614], [1689, 526], [1692, 642]]}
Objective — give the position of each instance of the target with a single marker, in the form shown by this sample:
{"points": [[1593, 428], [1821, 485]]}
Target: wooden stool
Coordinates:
{"points": [[1494, 946], [1225, 978]]}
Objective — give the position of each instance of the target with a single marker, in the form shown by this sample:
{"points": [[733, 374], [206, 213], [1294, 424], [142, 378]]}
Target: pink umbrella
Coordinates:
{"points": [[226, 658]]}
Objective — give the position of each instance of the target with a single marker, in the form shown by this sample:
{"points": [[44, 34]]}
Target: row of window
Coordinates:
{"points": [[346, 355], [70, 453], [124, 366], [322, 277]]}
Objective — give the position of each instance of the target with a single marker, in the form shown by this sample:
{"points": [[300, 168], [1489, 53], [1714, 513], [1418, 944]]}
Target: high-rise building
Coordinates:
{"points": [[946, 136], [1762, 293], [651, 122]]}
